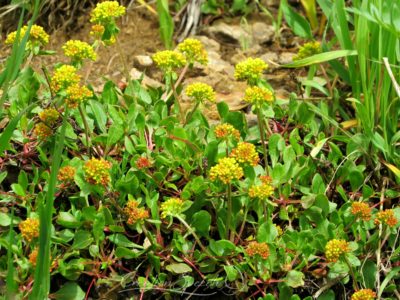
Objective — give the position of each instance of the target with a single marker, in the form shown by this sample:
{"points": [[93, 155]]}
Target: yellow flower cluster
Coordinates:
{"points": [[279, 230], [386, 217], [97, 171], [66, 174], [37, 34], [29, 229], [105, 12], [42, 131], [200, 92], [135, 213], [361, 210], [364, 294], [261, 192], [226, 170], [33, 256], [258, 96], [245, 153], [171, 207], [77, 94], [224, 131], [250, 70], [78, 50], [255, 248], [308, 49], [336, 248], [97, 30], [194, 51], [63, 77], [49, 116], [168, 60]]}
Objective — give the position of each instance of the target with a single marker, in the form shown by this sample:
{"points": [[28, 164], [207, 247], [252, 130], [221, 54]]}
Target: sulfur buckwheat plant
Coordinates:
{"points": [[97, 171]]}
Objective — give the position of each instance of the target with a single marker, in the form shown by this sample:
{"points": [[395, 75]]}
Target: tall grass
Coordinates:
{"points": [[7, 78], [369, 27]]}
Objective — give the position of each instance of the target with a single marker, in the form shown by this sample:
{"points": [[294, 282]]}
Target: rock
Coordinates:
{"points": [[286, 57], [230, 34], [271, 58], [216, 65], [143, 61], [209, 44], [263, 33], [242, 55], [147, 81], [251, 119]]}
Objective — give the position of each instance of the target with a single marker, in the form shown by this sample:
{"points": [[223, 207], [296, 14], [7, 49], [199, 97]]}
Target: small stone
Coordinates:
{"points": [[263, 33], [271, 58], [286, 57], [230, 34], [209, 44], [143, 60], [147, 81], [216, 65]]}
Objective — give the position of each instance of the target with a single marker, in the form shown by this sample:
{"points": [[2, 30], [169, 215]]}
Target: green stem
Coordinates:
{"points": [[264, 146], [265, 210], [355, 285], [86, 125], [310, 76], [191, 113], [193, 233], [229, 234]]}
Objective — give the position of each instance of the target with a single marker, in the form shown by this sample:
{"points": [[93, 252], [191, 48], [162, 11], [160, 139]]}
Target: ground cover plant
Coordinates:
{"points": [[131, 192]]}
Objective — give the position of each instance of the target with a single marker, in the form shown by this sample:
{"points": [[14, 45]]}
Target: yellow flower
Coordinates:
{"points": [[194, 51], [255, 248], [279, 230], [308, 49], [42, 131], [29, 229], [361, 210], [78, 50], [33, 256], [169, 60], [245, 153], [49, 116], [200, 92], [364, 294], [224, 131], [171, 207], [336, 248], [37, 34], [135, 213], [97, 171], [261, 192], [63, 77], [258, 96], [250, 70], [386, 217], [77, 94], [105, 12], [66, 174], [226, 170]]}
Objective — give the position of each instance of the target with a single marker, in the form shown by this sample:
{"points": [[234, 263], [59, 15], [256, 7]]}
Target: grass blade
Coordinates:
{"points": [[319, 58]]}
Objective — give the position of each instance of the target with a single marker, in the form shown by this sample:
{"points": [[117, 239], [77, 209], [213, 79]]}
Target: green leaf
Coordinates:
{"points": [[121, 240], [231, 272], [70, 291], [122, 252], [67, 220], [201, 222], [320, 58], [166, 23], [222, 247], [115, 134], [314, 152], [296, 22], [82, 240], [179, 268]]}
